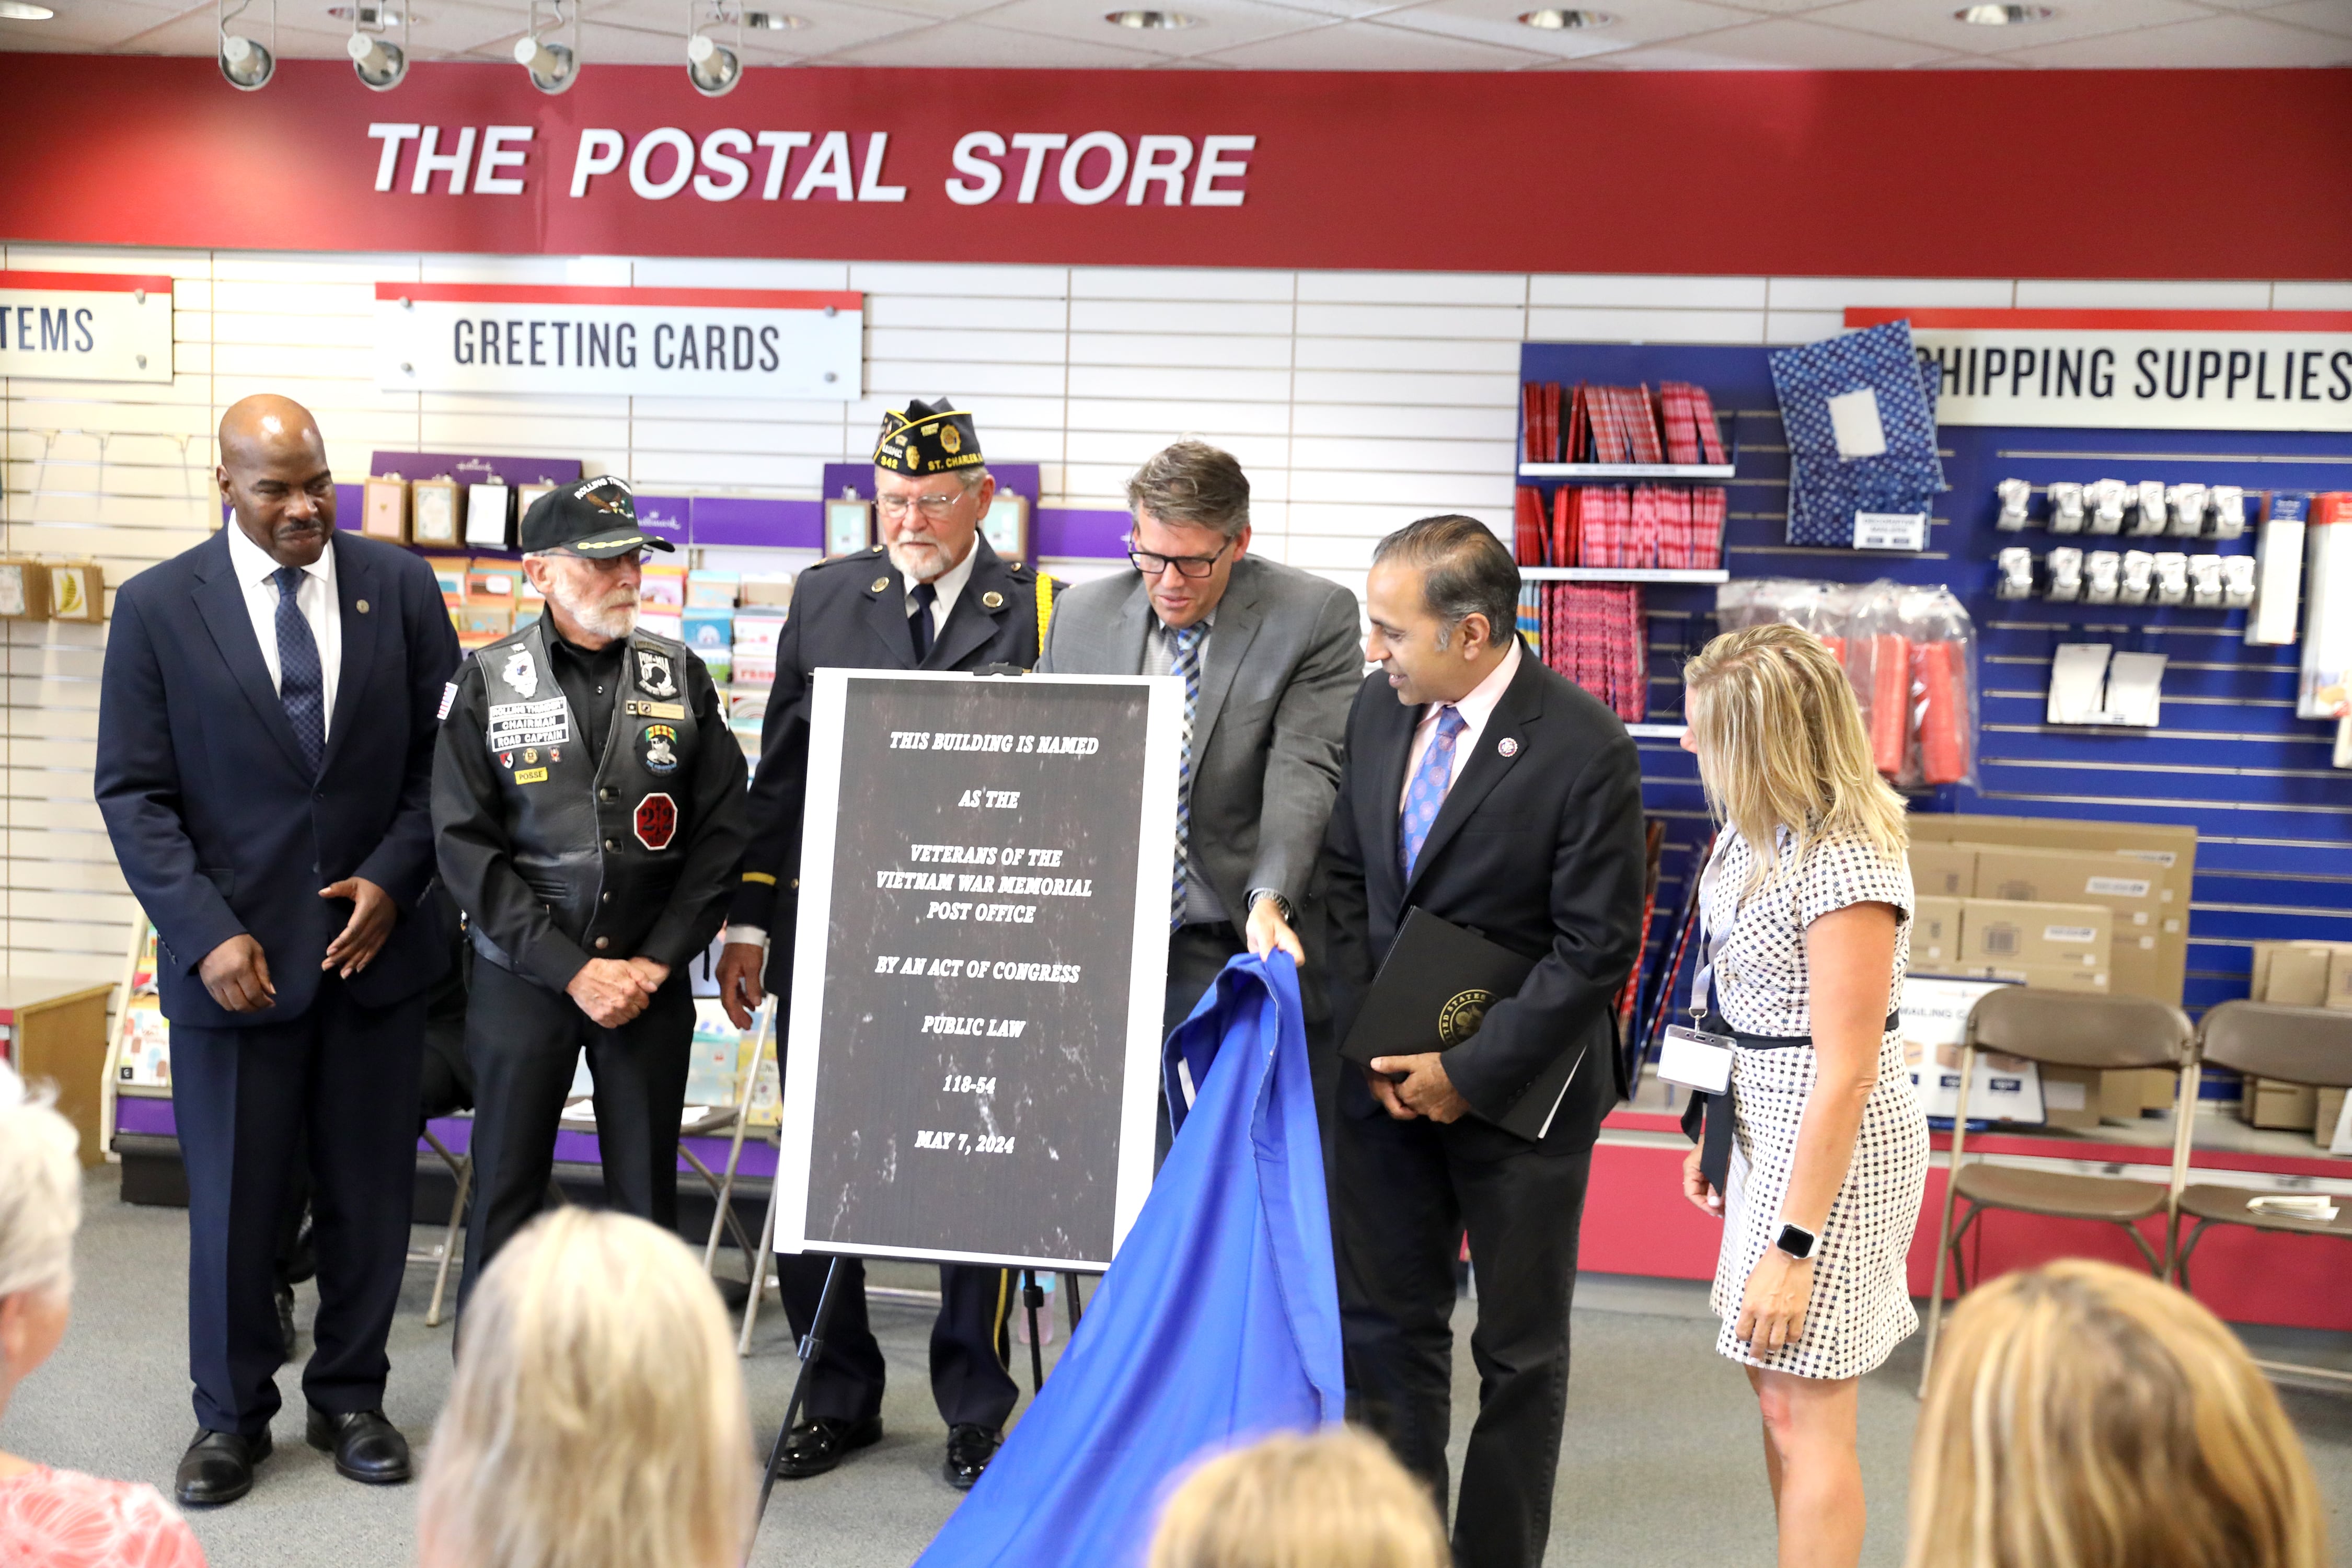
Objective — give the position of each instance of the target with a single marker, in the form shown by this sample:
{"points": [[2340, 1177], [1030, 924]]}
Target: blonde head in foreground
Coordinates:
{"points": [[1780, 744], [2085, 1416], [597, 1417], [1333, 1499]]}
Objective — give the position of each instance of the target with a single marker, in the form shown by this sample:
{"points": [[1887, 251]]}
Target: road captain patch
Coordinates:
{"points": [[654, 676], [513, 725], [657, 822]]}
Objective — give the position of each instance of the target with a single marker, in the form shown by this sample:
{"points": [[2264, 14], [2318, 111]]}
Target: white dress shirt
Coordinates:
{"points": [[257, 574], [948, 585], [1474, 709]]}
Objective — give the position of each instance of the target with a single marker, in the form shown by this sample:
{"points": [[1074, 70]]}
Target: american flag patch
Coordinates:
{"points": [[449, 696]]}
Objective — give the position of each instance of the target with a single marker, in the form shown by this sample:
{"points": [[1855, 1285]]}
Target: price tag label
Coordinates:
{"points": [[1890, 530]]}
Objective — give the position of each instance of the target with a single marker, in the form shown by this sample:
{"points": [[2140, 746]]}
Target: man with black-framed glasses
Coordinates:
{"points": [[1269, 659], [931, 595]]}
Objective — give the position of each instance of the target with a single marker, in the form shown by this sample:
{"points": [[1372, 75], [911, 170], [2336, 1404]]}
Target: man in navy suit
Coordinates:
{"points": [[1495, 794], [265, 756]]}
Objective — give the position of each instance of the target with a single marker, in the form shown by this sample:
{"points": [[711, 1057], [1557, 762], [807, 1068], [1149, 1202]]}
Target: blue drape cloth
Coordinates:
{"points": [[1219, 1319]]}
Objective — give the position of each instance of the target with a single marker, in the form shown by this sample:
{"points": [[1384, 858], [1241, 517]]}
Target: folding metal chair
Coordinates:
{"points": [[2063, 1029], [2295, 1045]]}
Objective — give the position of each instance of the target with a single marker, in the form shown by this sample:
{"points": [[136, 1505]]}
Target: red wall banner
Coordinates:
{"points": [[1918, 173]]}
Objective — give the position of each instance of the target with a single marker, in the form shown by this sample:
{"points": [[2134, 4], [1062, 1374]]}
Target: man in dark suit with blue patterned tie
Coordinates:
{"points": [[264, 752]]}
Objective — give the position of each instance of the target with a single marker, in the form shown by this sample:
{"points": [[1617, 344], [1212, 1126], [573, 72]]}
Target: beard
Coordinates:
{"points": [[613, 614], [918, 557]]}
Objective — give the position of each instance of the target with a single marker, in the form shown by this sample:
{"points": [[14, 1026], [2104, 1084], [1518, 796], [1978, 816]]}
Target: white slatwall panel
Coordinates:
{"points": [[1358, 401]]}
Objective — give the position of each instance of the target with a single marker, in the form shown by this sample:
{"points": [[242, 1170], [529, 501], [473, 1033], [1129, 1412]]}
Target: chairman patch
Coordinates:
{"points": [[657, 822], [657, 749], [514, 725]]}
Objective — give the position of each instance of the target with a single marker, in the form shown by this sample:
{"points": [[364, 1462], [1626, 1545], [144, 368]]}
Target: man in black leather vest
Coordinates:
{"points": [[933, 595], [588, 801]]}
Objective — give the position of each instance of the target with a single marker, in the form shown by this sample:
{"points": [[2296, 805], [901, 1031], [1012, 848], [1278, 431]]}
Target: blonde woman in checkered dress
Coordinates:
{"points": [[1808, 913]]}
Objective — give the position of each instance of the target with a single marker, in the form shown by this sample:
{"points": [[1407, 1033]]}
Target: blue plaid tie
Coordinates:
{"points": [[1184, 659], [300, 684], [1428, 790]]}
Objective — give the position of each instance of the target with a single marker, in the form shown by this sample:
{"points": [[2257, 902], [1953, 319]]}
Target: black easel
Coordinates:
{"points": [[1032, 1295], [811, 1346]]}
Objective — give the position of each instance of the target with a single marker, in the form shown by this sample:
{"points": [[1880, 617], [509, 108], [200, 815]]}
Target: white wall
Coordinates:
{"points": [[1358, 400]]}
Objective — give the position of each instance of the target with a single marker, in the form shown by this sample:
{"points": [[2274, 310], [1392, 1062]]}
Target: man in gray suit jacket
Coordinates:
{"points": [[1269, 658]]}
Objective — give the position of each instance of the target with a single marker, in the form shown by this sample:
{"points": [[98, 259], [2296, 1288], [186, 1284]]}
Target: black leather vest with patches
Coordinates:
{"points": [[599, 839]]}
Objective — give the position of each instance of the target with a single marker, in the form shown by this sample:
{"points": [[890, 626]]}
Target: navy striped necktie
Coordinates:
{"points": [[301, 682]]}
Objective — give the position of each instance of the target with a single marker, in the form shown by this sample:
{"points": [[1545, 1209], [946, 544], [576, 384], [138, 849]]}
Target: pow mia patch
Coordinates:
{"points": [[656, 821], [657, 749], [521, 672], [655, 674]]}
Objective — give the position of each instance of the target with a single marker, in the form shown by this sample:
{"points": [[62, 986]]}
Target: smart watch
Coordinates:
{"points": [[1796, 1241]]}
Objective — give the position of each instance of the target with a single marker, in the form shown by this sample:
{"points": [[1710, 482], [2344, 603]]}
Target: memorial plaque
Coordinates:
{"points": [[980, 959]]}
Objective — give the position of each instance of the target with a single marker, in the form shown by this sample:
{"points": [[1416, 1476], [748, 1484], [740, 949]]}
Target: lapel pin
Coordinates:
{"points": [[880, 583], [361, 607], [1508, 745], [993, 600]]}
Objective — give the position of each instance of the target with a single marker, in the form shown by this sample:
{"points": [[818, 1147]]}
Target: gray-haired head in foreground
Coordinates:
{"points": [[1465, 572], [1195, 483]]}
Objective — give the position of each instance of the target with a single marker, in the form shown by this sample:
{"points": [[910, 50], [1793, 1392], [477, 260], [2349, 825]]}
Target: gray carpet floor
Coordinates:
{"points": [[1660, 1463]]}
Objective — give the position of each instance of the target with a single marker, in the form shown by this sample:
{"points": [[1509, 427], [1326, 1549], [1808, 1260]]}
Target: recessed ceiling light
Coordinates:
{"points": [[24, 11], [1140, 20], [2003, 15], [1556, 21], [772, 21]]}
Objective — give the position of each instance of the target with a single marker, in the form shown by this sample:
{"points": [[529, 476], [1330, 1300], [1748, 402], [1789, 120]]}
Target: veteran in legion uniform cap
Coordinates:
{"points": [[931, 595], [588, 807]]}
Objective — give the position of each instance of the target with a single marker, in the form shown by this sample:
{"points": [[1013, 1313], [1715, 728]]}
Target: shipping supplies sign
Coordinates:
{"points": [[972, 1071], [645, 343], [84, 326], [2135, 370]]}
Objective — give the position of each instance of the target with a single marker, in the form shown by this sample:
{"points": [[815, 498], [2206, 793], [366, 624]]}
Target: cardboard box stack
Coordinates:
{"points": [[2100, 908], [2299, 974]]}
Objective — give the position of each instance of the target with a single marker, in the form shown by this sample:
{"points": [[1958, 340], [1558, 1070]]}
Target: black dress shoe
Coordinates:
{"points": [[218, 1468], [968, 1450], [366, 1447], [820, 1443], [285, 1319]]}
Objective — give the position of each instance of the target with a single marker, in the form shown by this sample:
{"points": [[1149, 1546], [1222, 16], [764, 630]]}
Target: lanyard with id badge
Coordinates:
{"points": [[1691, 1055]]}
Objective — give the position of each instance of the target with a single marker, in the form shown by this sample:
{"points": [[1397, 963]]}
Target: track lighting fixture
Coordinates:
{"points": [[714, 68], [554, 65], [244, 62], [380, 62]]}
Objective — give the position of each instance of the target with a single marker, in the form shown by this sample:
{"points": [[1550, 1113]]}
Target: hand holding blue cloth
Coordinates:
{"points": [[1218, 1322]]}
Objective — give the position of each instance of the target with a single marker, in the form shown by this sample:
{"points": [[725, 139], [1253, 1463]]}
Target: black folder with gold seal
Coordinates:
{"points": [[1432, 992]]}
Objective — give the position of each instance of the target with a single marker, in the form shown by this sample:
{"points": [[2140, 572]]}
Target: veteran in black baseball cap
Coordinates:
{"points": [[595, 518]]}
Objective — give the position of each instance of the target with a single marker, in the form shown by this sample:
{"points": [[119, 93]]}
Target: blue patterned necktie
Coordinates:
{"points": [[301, 685], [1184, 659], [1428, 790]]}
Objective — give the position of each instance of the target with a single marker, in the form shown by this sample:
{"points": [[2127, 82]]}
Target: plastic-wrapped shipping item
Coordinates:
{"points": [[1943, 686]]}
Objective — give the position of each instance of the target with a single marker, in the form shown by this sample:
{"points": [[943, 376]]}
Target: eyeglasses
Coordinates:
{"points": [[933, 507], [1151, 564]]}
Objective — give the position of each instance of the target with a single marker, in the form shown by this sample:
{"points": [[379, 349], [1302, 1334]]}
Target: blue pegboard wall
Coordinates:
{"points": [[2273, 818]]}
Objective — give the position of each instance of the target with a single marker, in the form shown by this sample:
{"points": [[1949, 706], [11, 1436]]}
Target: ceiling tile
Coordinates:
{"points": [[93, 23], [977, 44], [1223, 23], [2326, 15], [1932, 22], [1496, 22], [1375, 46], [1784, 43], [2235, 43]]}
